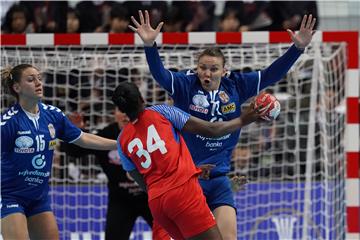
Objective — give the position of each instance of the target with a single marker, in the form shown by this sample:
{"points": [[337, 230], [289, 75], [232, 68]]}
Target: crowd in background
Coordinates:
{"points": [[178, 16]]}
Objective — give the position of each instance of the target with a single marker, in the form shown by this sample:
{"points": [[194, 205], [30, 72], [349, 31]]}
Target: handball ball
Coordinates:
{"points": [[269, 106]]}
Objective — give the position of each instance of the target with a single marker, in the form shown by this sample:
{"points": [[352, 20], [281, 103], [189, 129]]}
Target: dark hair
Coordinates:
{"points": [[128, 99], [9, 15], [213, 52], [10, 76], [119, 11]]}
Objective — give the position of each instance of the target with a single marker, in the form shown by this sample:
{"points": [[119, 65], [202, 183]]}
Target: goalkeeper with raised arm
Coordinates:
{"points": [[214, 94]]}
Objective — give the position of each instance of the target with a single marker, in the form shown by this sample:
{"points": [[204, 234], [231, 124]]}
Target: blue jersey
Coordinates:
{"points": [[27, 149], [219, 105]]}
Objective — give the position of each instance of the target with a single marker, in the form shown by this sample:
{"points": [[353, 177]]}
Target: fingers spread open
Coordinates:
{"points": [[141, 17], [291, 33], [308, 22], [303, 22], [132, 28], [313, 24], [147, 17], [136, 23], [158, 28]]}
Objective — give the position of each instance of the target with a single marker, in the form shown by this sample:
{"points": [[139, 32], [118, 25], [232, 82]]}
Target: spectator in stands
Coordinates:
{"points": [[203, 17], [287, 14], [157, 9], [17, 20], [47, 16], [173, 20], [252, 16], [90, 16], [73, 21], [119, 20], [229, 21]]}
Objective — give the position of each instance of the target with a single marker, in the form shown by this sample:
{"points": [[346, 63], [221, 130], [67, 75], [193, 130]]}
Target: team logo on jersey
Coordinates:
{"points": [[51, 130], [200, 104], [230, 108], [24, 144], [38, 161], [224, 98], [200, 101], [52, 144]]}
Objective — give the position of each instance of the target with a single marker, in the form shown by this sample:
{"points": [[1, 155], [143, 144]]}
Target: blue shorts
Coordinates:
{"points": [[10, 205], [218, 192]]}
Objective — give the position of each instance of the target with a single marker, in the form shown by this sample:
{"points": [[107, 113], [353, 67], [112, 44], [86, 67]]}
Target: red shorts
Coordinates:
{"points": [[183, 211], [159, 233]]}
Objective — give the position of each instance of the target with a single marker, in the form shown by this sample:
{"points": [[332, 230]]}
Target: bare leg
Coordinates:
{"points": [[43, 226], [212, 233], [226, 220], [14, 226]]}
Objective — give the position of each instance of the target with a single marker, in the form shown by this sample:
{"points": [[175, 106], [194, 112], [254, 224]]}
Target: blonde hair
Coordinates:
{"points": [[10, 76]]}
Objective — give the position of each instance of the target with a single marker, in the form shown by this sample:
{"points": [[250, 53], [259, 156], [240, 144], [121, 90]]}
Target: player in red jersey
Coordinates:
{"points": [[153, 151]]}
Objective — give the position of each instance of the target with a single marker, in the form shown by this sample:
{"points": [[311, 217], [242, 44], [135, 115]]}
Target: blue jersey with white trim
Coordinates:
{"points": [[27, 148], [219, 105]]}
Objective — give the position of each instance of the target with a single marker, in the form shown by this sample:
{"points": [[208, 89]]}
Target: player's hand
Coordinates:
{"points": [[303, 37], [250, 114], [144, 29], [206, 169], [238, 183]]}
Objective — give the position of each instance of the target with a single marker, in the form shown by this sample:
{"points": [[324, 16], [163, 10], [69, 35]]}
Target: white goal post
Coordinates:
{"points": [[303, 168]]}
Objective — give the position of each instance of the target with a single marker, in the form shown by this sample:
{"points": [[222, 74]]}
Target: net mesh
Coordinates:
{"points": [[295, 164]]}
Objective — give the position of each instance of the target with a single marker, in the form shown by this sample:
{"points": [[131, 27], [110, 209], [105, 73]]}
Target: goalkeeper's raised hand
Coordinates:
{"points": [[303, 37], [147, 33]]}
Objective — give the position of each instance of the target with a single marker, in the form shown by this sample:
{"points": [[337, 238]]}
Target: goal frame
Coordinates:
{"points": [[351, 38]]}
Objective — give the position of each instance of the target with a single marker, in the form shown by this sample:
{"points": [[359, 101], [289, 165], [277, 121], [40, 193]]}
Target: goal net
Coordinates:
{"points": [[296, 164]]}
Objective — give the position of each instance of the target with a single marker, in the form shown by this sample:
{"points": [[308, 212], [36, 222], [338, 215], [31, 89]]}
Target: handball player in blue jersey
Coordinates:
{"points": [[29, 130], [214, 94]]}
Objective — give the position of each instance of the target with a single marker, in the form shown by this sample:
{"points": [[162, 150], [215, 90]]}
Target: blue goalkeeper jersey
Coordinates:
{"points": [[219, 105], [27, 148]]}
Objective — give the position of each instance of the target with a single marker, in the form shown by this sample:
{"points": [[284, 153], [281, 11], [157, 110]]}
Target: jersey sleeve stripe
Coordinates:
{"points": [[259, 81], [81, 133], [172, 83]]}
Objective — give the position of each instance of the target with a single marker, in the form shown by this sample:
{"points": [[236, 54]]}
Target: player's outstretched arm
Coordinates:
{"points": [[303, 37], [216, 129], [91, 141], [277, 70], [145, 31]]}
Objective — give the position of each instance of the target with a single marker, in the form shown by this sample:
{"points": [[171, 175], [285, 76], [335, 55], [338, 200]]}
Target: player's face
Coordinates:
{"points": [[30, 85], [210, 70], [121, 118]]}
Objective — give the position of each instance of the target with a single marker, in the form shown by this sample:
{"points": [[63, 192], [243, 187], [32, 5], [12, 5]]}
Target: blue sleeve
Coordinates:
{"points": [[176, 116], [277, 70], [68, 131], [157, 69], [8, 132], [126, 163], [248, 84], [175, 83]]}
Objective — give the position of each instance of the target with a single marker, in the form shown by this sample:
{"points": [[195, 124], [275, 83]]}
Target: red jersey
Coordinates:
{"points": [[154, 146]]}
